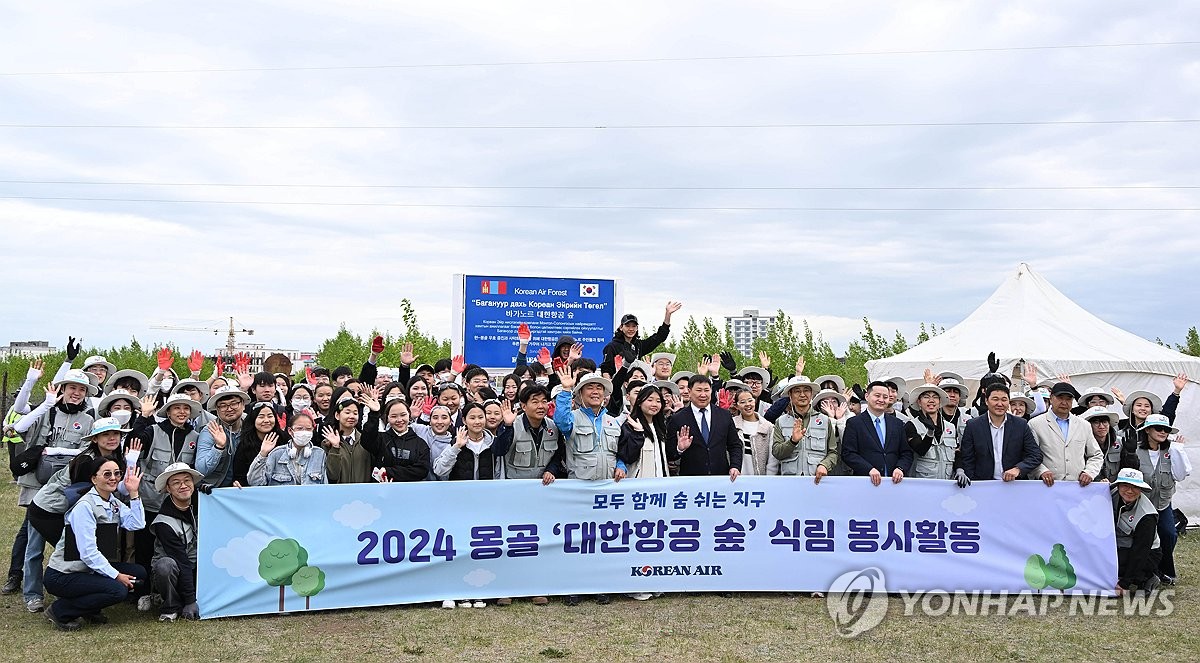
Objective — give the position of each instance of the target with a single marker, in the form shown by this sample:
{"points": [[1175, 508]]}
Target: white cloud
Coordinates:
{"points": [[239, 557], [357, 514], [959, 503], [479, 578], [1092, 516]]}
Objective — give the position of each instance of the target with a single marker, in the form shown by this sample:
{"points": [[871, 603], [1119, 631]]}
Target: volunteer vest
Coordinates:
{"points": [[592, 454], [526, 458], [1162, 482], [55, 429], [184, 529], [107, 515], [1112, 457], [938, 462], [812, 447], [1128, 518], [156, 459]]}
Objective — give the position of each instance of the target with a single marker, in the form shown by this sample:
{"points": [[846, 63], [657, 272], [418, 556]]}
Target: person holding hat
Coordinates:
{"points": [[173, 567], [1069, 450], [84, 572], [1139, 549], [1116, 454], [217, 444], [625, 341], [53, 433], [934, 440], [804, 441], [1163, 470]]}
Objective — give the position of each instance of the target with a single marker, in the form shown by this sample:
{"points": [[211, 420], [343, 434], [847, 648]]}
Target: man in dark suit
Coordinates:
{"points": [[874, 444], [704, 437], [998, 446]]}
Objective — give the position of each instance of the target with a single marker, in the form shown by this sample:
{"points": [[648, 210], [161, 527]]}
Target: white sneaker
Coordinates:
{"points": [[480, 604], [165, 617], [36, 604], [145, 603], [448, 604], [643, 596]]}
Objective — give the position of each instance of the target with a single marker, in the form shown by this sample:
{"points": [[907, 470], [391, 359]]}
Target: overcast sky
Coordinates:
{"points": [[109, 270]]}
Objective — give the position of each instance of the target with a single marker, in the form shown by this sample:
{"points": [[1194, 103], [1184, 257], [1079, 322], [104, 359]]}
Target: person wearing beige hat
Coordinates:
{"points": [[805, 442], [1116, 454], [1020, 405], [1163, 471], [933, 439], [173, 567], [1140, 404], [1139, 549]]}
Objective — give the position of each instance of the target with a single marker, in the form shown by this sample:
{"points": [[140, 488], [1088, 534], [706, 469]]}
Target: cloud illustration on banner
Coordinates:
{"points": [[357, 514], [959, 504], [479, 578], [1092, 516], [239, 557]]}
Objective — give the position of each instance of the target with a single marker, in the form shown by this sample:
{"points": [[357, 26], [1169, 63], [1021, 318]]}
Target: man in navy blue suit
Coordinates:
{"points": [[704, 438], [996, 446], [874, 444]]}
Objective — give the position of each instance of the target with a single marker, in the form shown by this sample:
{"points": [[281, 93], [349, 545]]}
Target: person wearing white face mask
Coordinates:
{"points": [[297, 463], [299, 399]]}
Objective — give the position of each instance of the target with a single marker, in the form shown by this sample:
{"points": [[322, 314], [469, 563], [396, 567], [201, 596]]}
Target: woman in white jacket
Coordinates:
{"points": [[755, 432]]}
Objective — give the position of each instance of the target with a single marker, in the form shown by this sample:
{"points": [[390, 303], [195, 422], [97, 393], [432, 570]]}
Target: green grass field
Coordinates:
{"points": [[748, 627]]}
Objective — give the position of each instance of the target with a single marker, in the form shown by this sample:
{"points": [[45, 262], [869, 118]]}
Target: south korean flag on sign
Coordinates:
{"points": [[589, 289]]}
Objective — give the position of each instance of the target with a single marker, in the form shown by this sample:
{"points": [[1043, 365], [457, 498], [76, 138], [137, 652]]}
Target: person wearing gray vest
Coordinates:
{"points": [[1163, 470], [53, 434], [805, 442], [591, 435], [530, 444], [83, 571], [173, 568], [1117, 455], [933, 437], [165, 443], [1139, 550]]}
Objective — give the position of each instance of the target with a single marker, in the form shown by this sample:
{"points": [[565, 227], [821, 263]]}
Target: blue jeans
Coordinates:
{"points": [[87, 593], [1166, 538], [16, 565], [35, 551]]}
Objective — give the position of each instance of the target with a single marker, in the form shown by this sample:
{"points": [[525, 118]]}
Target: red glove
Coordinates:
{"points": [[457, 363], [427, 406], [220, 363], [550, 409], [308, 375], [283, 420], [377, 345], [165, 359], [544, 356], [523, 334], [241, 362], [558, 363], [618, 362], [724, 399], [195, 361]]}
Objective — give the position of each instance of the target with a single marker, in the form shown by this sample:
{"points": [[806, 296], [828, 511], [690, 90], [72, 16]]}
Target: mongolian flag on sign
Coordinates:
{"points": [[494, 287]]}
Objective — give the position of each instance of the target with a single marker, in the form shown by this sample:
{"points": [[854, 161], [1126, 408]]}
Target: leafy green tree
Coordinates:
{"points": [[279, 561], [1059, 572], [308, 581], [1035, 572]]}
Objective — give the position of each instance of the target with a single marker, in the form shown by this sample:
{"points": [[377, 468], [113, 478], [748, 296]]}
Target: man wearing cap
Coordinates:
{"points": [[173, 569], [704, 438], [998, 447], [625, 341], [1163, 470], [1069, 451], [217, 443], [53, 434], [804, 441], [1116, 454], [590, 435], [1139, 550], [874, 444]]}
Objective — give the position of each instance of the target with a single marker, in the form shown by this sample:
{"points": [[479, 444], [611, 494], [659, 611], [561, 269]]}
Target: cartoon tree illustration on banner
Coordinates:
{"points": [[279, 561], [1059, 572], [308, 582], [1035, 572]]}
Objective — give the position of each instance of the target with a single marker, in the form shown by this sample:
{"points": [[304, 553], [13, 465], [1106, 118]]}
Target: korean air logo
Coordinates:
{"points": [[857, 601], [589, 289]]}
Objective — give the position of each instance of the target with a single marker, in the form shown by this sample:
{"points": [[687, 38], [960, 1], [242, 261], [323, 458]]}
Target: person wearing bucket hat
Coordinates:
{"points": [[166, 442], [933, 439], [805, 442], [1069, 451], [173, 567], [1139, 548], [1163, 471], [758, 378], [197, 390], [1094, 397], [957, 394], [1116, 454], [219, 441], [625, 339], [662, 362], [1140, 404], [681, 378], [128, 380], [53, 434], [1020, 405]]}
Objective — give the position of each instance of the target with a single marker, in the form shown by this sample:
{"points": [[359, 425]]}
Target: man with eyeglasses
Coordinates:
{"points": [[218, 441]]}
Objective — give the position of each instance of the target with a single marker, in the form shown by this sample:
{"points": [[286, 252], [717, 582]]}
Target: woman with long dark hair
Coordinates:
{"points": [[642, 444]]}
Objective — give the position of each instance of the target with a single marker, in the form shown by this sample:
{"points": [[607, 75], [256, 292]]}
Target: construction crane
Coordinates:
{"points": [[230, 340]]}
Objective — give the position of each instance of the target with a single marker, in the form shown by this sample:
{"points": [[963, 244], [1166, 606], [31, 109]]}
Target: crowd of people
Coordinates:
{"points": [[109, 463]]}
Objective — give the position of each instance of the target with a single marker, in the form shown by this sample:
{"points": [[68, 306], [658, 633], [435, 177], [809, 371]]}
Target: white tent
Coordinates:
{"points": [[1028, 318]]}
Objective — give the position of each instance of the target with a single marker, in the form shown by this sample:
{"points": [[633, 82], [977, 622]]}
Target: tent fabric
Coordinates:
{"points": [[1028, 319]]}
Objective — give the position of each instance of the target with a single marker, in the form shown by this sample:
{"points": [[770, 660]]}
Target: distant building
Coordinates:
{"points": [[258, 352], [27, 349], [747, 327]]}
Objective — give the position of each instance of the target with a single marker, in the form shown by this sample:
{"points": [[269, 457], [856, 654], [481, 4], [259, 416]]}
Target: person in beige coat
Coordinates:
{"points": [[1069, 450]]}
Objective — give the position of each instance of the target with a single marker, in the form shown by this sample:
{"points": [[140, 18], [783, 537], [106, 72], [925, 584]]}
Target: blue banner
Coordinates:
{"points": [[292, 548], [493, 307]]}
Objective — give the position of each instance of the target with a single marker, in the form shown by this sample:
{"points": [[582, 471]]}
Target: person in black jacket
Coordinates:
{"points": [[398, 450], [625, 341], [702, 437], [173, 569]]}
